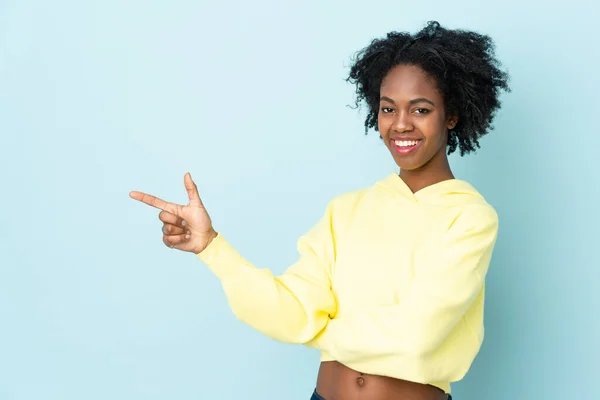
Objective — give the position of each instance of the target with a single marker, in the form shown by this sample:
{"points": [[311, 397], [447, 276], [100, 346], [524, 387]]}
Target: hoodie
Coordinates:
{"points": [[388, 282]]}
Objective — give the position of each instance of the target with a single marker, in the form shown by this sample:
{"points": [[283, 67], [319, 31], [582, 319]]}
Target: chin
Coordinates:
{"points": [[408, 163]]}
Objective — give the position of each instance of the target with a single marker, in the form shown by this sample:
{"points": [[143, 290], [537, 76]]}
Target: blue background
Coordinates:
{"points": [[98, 98]]}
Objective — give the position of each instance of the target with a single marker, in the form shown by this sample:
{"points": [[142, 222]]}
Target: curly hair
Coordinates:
{"points": [[463, 65]]}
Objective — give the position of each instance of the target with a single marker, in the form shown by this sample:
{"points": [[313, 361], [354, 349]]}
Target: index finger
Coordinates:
{"points": [[154, 201]]}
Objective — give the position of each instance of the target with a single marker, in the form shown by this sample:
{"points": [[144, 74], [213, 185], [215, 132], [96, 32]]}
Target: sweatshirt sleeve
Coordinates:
{"points": [[292, 307], [440, 293]]}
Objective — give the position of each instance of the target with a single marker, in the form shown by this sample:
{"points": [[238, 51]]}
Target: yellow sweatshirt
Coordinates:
{"points": [[388, 282]]}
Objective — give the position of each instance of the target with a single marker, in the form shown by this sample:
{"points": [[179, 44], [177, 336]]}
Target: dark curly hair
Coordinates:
{"points": [[463, 65]]}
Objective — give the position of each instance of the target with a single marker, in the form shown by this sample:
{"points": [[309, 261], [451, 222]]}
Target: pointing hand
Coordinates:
{"points": [[186, 228]]}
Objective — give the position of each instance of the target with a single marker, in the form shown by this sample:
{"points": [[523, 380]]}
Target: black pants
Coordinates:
{"points": [[315, 396]]}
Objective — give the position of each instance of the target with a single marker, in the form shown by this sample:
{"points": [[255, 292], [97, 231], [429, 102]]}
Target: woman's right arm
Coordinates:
{"points": [[292, 307]]}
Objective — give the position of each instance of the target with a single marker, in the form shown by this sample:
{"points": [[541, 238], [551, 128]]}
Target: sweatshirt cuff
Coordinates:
{"points": [[221, 258]]}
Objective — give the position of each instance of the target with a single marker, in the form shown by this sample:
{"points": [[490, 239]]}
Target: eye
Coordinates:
{"points": [[386, 110], [422, 111]]}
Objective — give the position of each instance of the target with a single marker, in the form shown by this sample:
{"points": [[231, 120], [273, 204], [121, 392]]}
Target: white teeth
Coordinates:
{"points": [[405, 143]]}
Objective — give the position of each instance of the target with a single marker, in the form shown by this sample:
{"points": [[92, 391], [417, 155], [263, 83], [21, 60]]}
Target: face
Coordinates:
{"points": [[412, 121]]}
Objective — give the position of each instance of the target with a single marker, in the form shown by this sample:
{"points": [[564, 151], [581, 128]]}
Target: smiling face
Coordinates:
{"points": [[412, 120]]}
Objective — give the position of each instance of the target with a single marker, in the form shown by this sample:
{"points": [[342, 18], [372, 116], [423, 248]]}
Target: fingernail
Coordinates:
{"points": [[183, 223], [187, 236]]}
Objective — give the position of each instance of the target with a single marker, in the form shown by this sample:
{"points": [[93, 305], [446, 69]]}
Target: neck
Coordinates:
{"points": [[429, 174]]}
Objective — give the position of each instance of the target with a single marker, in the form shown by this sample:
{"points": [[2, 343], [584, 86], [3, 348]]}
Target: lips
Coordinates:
{"points": [[404, 145]]}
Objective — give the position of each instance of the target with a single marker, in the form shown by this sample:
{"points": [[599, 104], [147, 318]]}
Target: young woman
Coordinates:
{"points": [[390, 282]]}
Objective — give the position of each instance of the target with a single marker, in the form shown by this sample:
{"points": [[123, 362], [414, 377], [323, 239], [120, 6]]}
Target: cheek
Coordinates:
{"points": [[434, 129], [383, 125]]}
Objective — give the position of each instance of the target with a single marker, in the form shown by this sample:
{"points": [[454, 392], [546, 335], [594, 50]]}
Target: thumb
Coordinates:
{"points": [[192, 191]]}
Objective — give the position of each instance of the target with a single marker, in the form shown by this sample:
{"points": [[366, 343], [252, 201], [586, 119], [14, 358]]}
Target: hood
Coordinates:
{"points": [[450, 192]]}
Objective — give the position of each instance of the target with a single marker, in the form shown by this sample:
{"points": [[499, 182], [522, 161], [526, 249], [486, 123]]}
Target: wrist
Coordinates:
{"points": [[211, 235]]}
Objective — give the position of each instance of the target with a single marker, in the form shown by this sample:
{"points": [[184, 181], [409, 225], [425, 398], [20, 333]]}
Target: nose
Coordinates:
{"points": [[403, 122]]}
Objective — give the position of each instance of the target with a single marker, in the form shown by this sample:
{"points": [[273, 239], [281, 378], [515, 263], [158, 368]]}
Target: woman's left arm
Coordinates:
{"points": [[439, 295]]}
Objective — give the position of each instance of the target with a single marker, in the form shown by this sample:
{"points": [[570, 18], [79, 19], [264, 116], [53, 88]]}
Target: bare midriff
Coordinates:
{"points": [[338, 382]]}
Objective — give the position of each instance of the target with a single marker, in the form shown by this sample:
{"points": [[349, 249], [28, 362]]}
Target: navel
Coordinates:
{"points": [[360, 381]]}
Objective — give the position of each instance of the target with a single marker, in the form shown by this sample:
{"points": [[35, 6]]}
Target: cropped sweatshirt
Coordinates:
{"points": [[388, 282]]}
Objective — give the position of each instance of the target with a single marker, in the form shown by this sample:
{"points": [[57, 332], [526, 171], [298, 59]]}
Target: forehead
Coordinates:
{"points": [[408, 81]]}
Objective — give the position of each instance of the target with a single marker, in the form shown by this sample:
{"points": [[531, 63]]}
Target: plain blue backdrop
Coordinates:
{"points": [[98, 98]]}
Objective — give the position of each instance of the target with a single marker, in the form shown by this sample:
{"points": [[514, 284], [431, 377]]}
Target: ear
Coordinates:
{"points": [[452, 121]]}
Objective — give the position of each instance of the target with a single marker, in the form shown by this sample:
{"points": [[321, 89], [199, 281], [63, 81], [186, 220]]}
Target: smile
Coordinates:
{"points": [[405, 146]]}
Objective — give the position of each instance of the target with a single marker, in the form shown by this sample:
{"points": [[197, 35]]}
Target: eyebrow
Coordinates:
{"points": [[413, 101]]}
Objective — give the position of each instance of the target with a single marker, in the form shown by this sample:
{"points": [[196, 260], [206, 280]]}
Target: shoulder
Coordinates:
{"points": [[475, 217], [469, 206]]}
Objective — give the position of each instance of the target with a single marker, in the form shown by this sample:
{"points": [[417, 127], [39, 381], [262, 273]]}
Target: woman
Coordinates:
{"points": [[390, 282]]}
